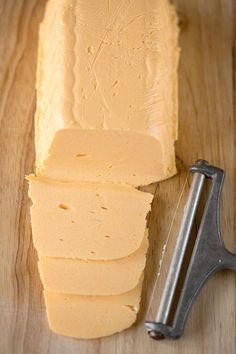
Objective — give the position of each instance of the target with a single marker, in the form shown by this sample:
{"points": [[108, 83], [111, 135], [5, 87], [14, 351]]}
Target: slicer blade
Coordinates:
{"points": [[209, 254]]}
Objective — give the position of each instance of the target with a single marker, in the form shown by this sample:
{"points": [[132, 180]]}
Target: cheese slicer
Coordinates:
{"points": [[209, 254]]}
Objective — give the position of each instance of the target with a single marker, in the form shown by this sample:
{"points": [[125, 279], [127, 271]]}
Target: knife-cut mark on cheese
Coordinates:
{"points": [[113, 70], [89, 277], [91, 316], [112, 156], [87, 220]]}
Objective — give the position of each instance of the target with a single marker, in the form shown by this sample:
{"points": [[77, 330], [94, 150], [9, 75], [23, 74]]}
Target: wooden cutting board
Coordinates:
{"points": [[207, 129]]}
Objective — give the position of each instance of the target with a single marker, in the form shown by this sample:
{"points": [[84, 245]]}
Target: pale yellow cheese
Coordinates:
{"points": [[90, 277], [105, 155], [87, 220], [91, 316], [109, 65], [106, 119]]}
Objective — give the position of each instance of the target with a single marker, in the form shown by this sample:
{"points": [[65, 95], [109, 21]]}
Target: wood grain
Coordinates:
{"points": [[207, 129]]}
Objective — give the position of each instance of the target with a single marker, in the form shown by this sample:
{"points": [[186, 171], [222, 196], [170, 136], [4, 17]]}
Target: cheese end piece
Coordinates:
{"points": [[88, 317], [110, 156], [126, 81]]}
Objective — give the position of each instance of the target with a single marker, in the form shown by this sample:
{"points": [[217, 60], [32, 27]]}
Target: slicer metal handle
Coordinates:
{"points": [[180, 248], [209, 256]]}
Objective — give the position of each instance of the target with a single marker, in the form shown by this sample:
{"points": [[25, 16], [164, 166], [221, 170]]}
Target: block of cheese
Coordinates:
{"points": [[90, 277], [114, 68], [87, 220], [106, 121], [91, 316], [105, 155]]}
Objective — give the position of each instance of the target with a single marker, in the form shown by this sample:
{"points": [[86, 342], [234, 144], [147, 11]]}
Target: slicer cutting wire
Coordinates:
{"points": [[165, 246], [209, 254]]}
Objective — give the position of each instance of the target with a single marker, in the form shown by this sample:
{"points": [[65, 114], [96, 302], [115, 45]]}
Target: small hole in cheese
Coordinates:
{"points": [[63, 206], [107, 236], [104, 208], [115, 83], [132, 308], [81, 155], [92, 252], [90, 49]]}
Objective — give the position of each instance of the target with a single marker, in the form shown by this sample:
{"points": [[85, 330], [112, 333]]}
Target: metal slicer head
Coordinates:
{"points": [[209, 254]]}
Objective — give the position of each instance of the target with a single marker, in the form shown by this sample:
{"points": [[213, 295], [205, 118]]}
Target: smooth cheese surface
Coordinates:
{"points": [[91, 316], [114, 67], [87, 220], [110, 156], [76, 276]]}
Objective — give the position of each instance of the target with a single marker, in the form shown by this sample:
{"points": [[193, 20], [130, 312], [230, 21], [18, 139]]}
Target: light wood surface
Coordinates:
{"points": [[207, 129]]}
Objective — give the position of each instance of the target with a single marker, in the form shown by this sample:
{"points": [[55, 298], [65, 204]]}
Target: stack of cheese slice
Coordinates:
{"points": [[106, 123], [92, 244]]}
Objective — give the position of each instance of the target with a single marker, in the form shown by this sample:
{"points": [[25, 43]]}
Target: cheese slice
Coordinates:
{"points": [[89, 277], [114, 68], [91, 316], [87, 220], [105, 155]]}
